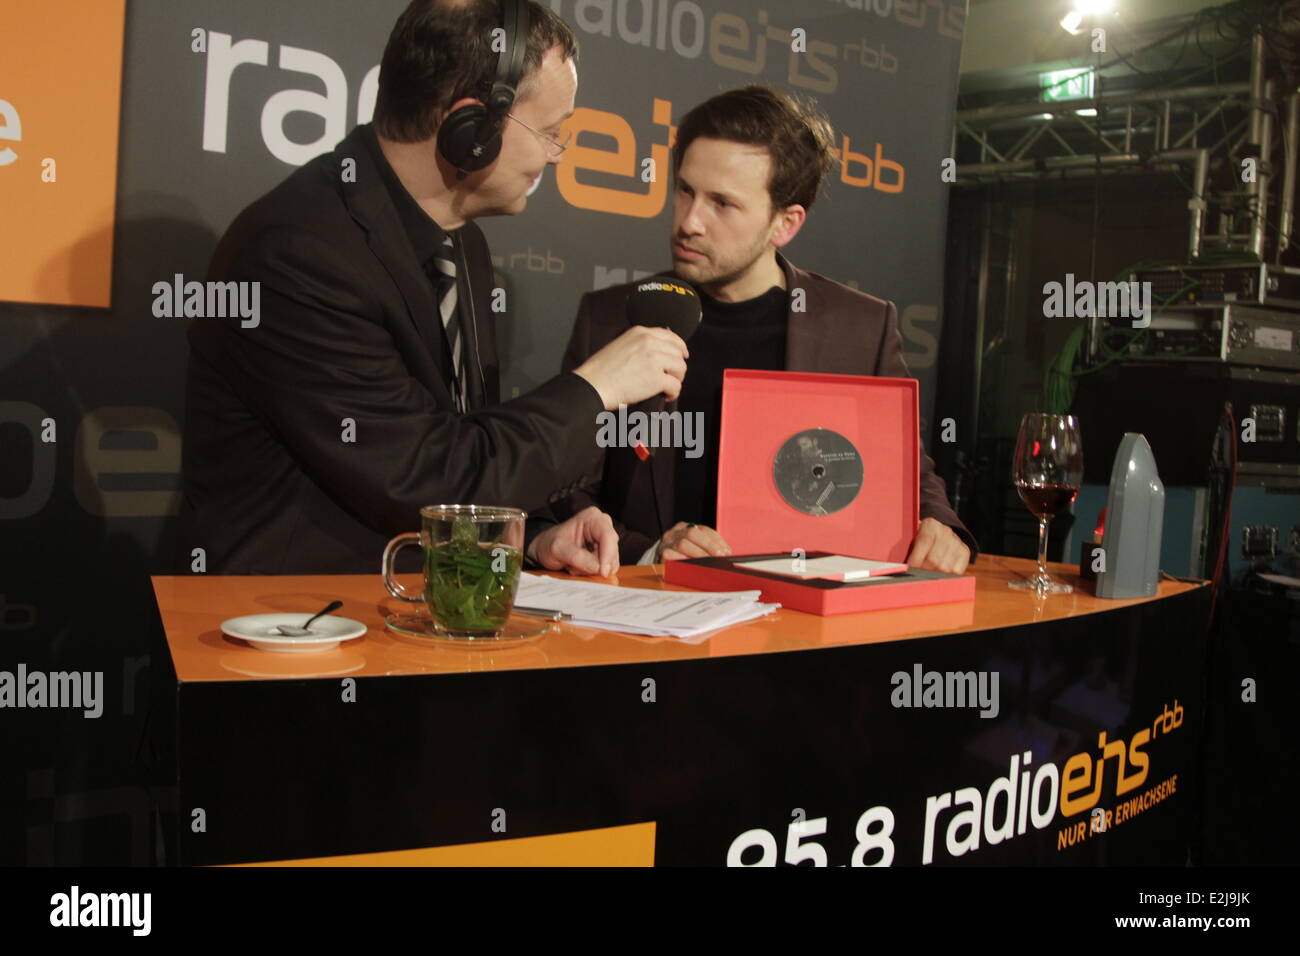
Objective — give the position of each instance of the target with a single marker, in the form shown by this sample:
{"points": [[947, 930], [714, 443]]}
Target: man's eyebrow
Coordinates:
{"points": [[713, 194]]}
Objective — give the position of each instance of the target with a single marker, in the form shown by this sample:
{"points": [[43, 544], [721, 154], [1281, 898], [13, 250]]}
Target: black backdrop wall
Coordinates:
{"points": [[219, 100]]}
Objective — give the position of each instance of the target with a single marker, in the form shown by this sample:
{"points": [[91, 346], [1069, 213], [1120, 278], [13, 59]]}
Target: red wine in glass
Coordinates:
{"points": [[1049, 500], [1047, 471]]}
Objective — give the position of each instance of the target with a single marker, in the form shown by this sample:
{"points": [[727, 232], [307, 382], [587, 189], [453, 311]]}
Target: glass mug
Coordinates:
{"points": [[472, 558]]}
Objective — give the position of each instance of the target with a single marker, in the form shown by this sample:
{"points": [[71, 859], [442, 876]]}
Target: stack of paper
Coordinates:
{"points": [[685, 614]]}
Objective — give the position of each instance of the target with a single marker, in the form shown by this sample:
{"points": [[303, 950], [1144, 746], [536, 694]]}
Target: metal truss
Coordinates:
{"points": [[1228, 129]]}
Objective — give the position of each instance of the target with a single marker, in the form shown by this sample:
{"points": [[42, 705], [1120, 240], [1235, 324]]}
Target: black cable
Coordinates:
{"points": [[1225, 444], [654, 490]]}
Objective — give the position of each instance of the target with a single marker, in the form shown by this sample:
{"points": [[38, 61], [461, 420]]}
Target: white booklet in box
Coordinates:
{"points": [[831, 567]]}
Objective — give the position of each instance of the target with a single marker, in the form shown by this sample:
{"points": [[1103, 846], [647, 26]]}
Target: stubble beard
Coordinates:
{"points": [[723, 275]]}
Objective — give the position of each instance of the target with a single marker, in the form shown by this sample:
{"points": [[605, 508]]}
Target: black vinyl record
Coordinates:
{"points": [[818, 471]]}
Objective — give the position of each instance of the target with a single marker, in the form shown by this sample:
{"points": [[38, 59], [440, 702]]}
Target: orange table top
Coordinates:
{"points": [[192, 608]]}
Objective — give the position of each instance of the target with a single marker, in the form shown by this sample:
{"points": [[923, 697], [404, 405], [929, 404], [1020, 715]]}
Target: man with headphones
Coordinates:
{"points": [[369, 387]]}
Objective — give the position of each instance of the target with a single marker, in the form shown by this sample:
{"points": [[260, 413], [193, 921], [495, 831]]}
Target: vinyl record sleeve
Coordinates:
{"points": [[763, 410]]}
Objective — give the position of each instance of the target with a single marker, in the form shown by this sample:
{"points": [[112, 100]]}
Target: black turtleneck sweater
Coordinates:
{"points": [[749, 334]]}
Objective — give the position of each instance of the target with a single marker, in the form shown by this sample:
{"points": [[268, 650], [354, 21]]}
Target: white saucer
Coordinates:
{"points": [[326, 632]]}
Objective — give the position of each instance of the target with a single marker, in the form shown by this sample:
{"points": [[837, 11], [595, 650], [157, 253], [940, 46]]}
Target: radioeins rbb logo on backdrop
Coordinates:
{"points": [[617, 164], [60, 97]]}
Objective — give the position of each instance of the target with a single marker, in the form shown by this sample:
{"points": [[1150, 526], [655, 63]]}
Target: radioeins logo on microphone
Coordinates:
{"points": [[661, 286]]}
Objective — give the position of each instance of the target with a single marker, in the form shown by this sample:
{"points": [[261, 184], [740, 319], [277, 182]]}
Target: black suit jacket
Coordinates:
{"points": [[839, 330], [348, 338]]}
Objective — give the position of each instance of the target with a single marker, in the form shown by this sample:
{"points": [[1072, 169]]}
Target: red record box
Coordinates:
{"points": [[847, 449], [762, 411]]}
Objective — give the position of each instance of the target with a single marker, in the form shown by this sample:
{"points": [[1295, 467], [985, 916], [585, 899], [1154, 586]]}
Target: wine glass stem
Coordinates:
{"points": [[1042, 547]]}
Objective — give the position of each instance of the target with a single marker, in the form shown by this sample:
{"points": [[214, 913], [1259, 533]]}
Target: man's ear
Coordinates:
{"points": [[463, 101], [786, 224]]}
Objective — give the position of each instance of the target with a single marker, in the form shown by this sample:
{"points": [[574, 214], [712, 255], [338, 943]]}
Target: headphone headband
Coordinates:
{"points": [[470, 138], [510, 64]]}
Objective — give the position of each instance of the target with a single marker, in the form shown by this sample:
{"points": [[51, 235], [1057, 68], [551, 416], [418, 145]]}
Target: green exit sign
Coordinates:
{"points": [[1066, 85]]}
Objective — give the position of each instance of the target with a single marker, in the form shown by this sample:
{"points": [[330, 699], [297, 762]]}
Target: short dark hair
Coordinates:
{"points": [[440, 51], [797, 137]]}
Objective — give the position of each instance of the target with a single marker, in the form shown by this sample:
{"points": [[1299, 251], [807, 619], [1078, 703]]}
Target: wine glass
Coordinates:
{"points": [[1048, 470]]}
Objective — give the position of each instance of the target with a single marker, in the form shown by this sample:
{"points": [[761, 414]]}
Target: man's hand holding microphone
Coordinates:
{"points": [[639, 364], [648, 359]]}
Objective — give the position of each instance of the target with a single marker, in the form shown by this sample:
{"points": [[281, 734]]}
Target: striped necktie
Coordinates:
{"points": [[444, 262]]}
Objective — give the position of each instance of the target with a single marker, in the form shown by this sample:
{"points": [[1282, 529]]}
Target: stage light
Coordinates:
{"points": [[1072, 22]]}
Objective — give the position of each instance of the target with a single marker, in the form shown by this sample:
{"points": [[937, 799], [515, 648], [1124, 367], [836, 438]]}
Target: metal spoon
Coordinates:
{"points": [[288, 630]]}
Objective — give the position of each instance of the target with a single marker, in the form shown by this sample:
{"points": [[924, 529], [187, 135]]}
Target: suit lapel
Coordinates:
{"points": [[476, 283], [805, 331], [369, 205]]}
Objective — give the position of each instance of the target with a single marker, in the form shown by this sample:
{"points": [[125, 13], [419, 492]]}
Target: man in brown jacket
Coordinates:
{"points": [[748, 164]]}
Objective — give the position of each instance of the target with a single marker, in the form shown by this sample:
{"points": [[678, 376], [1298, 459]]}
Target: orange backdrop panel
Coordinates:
{"points": [[61, 77]]}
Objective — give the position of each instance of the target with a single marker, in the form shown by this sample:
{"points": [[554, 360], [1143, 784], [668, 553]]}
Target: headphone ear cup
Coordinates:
{"points": [[459, 138]]}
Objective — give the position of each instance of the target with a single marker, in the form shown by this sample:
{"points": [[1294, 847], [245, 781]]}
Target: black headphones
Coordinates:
{"points": [[470, 137]]}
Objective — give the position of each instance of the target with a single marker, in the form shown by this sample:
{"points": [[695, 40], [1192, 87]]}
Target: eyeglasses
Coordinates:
{"points": [[554, 144]]}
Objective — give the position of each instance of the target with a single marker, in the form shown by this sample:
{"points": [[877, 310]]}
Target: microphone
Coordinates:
{"points": [[665, 302]]}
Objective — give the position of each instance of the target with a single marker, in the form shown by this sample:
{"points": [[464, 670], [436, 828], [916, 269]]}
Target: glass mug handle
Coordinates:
{"points": [[390, 553]]}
